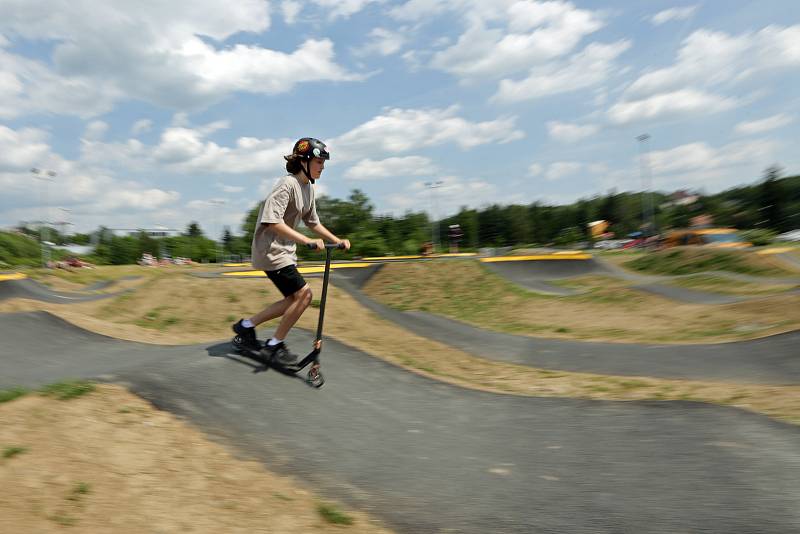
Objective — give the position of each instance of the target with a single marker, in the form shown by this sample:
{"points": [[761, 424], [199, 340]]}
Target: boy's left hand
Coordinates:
{"points": [[346, 243]]}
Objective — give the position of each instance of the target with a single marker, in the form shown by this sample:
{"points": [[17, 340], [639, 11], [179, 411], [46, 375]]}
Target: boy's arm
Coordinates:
{"points": [[287, 232], [324, 233]]}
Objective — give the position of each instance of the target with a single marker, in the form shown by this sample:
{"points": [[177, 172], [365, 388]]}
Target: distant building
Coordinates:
{"points": [[681, 198], [152, 232]]}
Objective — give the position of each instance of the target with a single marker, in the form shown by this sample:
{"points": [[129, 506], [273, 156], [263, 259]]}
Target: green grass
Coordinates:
{"points": [[11, 394], [80, 489], [154, 319], [722, 285], [332, 515], [90, 276], [69, 389], [10, 452], [632, 384], [687, 260]]}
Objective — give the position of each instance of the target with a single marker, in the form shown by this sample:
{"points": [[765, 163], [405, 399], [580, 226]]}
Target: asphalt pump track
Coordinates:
{"points": [[538, 275], [25, 288], [770, 360], [429, 457]]}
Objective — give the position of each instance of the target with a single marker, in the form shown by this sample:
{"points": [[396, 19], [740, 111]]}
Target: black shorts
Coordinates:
{"points": [[287, 279]]}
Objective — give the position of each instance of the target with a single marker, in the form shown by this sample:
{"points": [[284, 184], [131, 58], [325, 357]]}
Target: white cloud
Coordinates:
{"points": [[709, 59], [103, 54], [677, 103], [401, 130], [448, 198], [674, 13], [230, 188], [530, 33], [570, 133], [186, 149], [591, 66], [700, 156], [141, 126], [22, 150], [88, 192], [382, 42], [708, 64], [139, 199], [28, 86], [290, 10], [560, 169], [535, 169], [404, 166], [343, 8], [763, 125], [95, 130], [416, 10]]}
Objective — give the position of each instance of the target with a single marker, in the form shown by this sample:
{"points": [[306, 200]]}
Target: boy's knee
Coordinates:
{"points": [[304, 296]]}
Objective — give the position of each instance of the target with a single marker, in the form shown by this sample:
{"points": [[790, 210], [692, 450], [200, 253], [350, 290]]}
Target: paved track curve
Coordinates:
{"points": [[31, 289], [535, 275], [428, 457], [770, 360]]}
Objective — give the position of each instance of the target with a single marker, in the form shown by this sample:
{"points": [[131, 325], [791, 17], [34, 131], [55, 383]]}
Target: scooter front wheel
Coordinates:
{"points": [[314, 377]]}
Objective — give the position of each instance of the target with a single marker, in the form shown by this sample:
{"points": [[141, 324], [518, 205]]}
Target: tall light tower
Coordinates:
{"points": [[648, 221], [44, 234], [434, 223]]}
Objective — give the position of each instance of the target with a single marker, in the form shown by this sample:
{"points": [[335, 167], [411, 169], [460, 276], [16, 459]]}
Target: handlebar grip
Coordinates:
{"points": [[313, 246]]}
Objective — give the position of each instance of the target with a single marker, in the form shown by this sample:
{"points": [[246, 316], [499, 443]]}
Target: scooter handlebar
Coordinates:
{"points": [[313, 246]]}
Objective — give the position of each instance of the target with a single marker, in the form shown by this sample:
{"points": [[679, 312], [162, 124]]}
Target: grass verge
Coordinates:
{"points": [[690, 260], [70, 389]]}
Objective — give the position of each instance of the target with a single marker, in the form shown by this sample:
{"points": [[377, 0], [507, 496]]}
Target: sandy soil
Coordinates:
{"points": [[111, 462]]}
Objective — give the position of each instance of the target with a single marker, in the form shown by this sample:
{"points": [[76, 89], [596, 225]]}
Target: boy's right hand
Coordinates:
{"points": [[319, 244]]}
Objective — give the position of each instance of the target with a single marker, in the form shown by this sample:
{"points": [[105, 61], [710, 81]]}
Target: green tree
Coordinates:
{"points": [[193, 230], [123, 250], [518, 231], [227, 240]]}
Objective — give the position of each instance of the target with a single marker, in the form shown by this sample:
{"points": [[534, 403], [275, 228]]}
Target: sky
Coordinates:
{"points": [[154, 114]]}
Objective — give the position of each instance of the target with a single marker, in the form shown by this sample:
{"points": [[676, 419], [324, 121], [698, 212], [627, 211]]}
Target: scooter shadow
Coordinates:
{"points": [[226, 350]]}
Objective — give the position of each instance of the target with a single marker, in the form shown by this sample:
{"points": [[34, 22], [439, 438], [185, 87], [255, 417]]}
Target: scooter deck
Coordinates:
{"points": [[264, 365]]}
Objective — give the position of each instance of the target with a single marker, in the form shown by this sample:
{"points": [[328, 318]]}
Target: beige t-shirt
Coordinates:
{"points": [[289, 202]]}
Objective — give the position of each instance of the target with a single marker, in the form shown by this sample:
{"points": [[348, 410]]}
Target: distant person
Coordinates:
{"points": [[274, 248]]}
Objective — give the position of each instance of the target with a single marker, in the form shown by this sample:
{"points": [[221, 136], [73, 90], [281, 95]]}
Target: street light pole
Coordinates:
{"points": [[44, 234], [647, 182], [434, 223]]}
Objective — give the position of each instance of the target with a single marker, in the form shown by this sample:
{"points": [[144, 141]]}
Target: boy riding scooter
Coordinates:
{"points": [[274, 249]]}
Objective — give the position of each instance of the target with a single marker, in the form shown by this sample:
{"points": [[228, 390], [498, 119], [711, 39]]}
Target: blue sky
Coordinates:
{"points": [[159, 113]]}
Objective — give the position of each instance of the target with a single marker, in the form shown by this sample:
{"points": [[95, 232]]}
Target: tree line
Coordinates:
{"points": [[771, 205]]}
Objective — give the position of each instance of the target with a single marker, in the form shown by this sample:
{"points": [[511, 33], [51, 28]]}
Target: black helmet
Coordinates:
{"points": [[308, 147]]}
